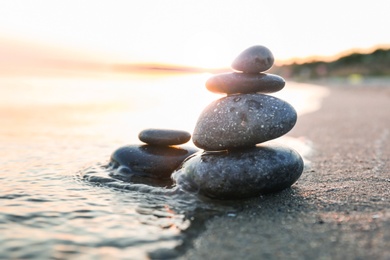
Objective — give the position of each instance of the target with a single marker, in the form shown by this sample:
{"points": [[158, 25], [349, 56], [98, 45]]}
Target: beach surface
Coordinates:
{"points": [[338, 209]]}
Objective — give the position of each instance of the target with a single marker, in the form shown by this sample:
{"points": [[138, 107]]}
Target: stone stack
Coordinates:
{"points": [[229, 130]]}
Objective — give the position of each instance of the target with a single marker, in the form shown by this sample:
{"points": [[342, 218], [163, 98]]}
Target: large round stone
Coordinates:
{"points": [[233, 83], [149, 160], [255, 59], [243, 120], [240, 173], [164, 136]]}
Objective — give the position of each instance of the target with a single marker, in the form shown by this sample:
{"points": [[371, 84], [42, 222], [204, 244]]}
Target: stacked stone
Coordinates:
{"points": [[158, 158], [233, 165]]}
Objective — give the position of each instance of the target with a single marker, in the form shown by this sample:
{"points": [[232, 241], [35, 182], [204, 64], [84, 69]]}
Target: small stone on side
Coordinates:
{"points": [[164, 137]]}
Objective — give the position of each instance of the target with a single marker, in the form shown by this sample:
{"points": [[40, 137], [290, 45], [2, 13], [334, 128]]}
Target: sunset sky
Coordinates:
{"points": [[194, 33]]}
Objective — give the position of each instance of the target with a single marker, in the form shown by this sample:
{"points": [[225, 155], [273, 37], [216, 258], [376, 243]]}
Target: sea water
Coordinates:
{"points": [[57, 133]]}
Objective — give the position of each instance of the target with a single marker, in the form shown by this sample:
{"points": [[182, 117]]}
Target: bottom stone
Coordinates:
{"points": [[149, 160], [240, 173]]}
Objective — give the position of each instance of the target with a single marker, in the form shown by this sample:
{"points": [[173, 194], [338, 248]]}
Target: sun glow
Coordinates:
{"points": [[213, 51], [207, 34]]}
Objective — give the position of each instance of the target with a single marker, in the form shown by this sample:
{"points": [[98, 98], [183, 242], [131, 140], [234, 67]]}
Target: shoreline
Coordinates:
{"points": [[352, 81], [339, 208]]}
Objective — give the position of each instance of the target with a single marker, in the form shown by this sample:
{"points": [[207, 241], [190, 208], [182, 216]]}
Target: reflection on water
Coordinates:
{"points": [[54, 130]]}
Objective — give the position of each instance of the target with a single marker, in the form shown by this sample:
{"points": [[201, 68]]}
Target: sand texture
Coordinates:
{"points": [[338, 209]]}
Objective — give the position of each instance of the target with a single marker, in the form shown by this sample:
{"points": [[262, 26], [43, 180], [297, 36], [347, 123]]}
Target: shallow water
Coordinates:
{"points": [[57, 199]]}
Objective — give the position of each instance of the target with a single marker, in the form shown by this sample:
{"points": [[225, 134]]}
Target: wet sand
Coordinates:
{"points": [[338, 209]]}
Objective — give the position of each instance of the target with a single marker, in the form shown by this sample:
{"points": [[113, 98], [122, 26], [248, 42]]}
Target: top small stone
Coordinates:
{"points": [[255, 59], [164, 137]]}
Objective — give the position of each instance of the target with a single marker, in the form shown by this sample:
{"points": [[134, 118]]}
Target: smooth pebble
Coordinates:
{"points": [[255, 59], [164, 137], [242, 120], [149, 160], [233, 83], [240, 173]]}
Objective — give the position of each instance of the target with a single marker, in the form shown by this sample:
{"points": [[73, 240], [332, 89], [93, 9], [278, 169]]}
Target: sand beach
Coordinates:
{"points": [[339, 208]]}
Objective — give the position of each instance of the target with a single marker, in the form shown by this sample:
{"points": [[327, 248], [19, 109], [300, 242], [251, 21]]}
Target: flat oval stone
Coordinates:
{"points": [[255, 59], [242, 120], [240, 173], [233, 83], [150, 160], [164, 136]]}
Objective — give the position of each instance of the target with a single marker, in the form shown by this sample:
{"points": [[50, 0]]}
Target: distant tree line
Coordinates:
{"points": [[376, 63]]}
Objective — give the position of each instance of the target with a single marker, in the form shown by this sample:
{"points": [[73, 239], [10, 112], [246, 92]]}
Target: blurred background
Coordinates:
{"points": [[89, 36]]}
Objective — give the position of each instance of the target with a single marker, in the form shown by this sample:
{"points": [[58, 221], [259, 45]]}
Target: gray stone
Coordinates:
{"points": [[233, 83], [240, 173], [164, 137], [149, 160], [255, 59], [242, 120]]}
